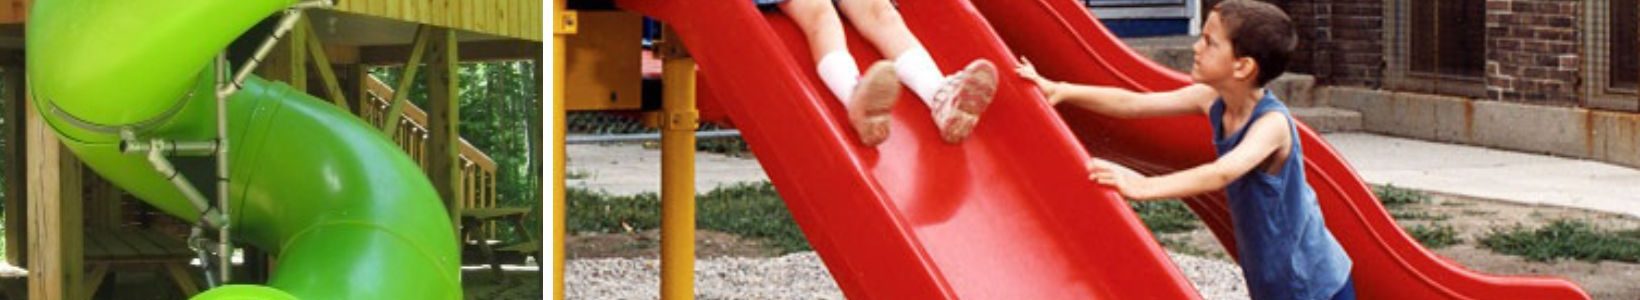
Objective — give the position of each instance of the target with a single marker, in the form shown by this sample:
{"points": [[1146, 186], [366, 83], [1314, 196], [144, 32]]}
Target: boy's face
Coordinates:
{"points": [[1215, 62]]}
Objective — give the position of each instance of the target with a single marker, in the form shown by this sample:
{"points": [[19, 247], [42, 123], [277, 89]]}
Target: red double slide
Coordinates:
{"points": [[1008, 213]]}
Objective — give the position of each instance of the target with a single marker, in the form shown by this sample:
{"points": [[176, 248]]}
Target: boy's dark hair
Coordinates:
{"points": [[1261, 31]]}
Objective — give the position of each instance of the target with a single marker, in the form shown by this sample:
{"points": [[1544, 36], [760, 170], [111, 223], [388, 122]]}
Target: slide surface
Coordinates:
{"points": [[1006, 214], [343, 211], [1067, 43]]}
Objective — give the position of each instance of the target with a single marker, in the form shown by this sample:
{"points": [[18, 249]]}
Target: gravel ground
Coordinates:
{"points": [[798, 276]]}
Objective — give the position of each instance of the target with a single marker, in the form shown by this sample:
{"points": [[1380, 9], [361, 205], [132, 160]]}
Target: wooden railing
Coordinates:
{"points": [[477, 188]]}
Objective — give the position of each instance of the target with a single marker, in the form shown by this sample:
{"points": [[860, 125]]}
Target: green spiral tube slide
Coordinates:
{"points": [[346, 214]]}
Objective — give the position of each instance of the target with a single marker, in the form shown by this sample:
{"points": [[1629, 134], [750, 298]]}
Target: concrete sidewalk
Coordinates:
{"points": [[625, 169], [1491, 174], [628, 169]]}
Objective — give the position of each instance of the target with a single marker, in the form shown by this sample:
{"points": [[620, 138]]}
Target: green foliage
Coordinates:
{"points": [[589, 211], [752, 210], [499, 102], [1434, 236], [1566, 239], [1395, 196], [1165, 216], [1417, 215]]}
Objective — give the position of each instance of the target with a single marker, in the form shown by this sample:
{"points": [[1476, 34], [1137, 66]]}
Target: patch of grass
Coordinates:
{"points": [[1434, 236], [1391, 195], [1566, 239], [1417, 215], [1477, 212], [752, 210], [1168, 216], [590, 211]]}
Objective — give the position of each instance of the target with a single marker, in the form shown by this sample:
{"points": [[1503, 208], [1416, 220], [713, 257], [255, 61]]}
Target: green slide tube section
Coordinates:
{"points": [[345, 213]]}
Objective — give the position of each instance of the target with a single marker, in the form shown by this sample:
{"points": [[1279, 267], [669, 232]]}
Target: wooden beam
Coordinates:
{"points": [[287, 60], [444, 100], [470, 52], [16, 195], [351, 78], [296, 50], [390, 125], [321, 62], [55, 227]]}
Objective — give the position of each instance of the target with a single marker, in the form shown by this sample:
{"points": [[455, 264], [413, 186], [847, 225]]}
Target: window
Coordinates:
{"points": [[1448, 38], [1611, 69], [1625, 67]]}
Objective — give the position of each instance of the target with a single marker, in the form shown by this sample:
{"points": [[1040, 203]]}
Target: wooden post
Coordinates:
{"points": [[401, 91], [321, 62], [55, 226], [16, 191], [443, 118], [353, 86]]}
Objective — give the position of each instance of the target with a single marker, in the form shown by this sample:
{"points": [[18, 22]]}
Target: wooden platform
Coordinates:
{"points": [[108, 251]]}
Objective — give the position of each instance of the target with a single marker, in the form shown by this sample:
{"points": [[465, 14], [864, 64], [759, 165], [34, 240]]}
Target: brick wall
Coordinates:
{"points": [[1533, 51], [1339, 40]]}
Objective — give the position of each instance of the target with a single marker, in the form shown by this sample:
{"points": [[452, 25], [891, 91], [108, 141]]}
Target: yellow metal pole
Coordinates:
{"points": [[564, 25], [677, 171]]}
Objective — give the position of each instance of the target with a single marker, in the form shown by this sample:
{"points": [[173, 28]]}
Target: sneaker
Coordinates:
{"points": [[873, 100], [962, 98]]}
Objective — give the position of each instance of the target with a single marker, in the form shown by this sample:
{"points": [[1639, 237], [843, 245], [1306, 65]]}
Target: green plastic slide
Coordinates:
{"points": [[344, 212]]}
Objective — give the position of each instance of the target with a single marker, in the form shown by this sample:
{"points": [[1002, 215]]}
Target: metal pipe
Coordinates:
{"points": [[196, 236], [678, 177], [644, 137], [156, 157], [286, 22], [225, 250], [170, 148]]}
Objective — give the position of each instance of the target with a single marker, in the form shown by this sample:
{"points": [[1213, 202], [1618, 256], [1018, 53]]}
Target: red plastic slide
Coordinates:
{"points": [[1067, 43], [1006, 214]]}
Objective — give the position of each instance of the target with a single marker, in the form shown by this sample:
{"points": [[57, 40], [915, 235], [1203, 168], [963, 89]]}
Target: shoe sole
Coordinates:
{"points": [[873, 103], [974, 95]]}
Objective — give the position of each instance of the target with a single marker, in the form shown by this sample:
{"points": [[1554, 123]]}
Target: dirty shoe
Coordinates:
{"points": [[962, 98], [872, 101]]}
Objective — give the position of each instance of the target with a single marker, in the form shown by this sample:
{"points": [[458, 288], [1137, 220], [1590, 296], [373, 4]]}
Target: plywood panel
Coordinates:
{"points": [[519, 19]]}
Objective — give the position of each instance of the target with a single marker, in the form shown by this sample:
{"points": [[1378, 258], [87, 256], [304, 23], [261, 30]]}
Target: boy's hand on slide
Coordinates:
{"points": [[1114, 175], [1048, 87]]}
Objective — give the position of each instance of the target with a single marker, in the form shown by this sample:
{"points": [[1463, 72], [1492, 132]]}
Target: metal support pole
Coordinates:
{"points": [[224, 240], [292, 14], [680, 119]]}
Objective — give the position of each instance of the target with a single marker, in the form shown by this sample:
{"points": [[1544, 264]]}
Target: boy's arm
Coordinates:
{"points": [[1121, 103], [1266, 135]]}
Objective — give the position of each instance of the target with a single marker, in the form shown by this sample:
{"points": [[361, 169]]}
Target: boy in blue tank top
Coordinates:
{"points": [[1285, 249]]}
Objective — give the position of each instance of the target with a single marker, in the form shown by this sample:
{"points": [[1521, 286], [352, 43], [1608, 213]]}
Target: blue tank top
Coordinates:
{"points": [[1286, 250]]}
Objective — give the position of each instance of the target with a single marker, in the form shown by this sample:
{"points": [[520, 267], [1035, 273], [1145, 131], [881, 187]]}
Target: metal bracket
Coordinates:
{"points": [[680, 120], [670, 45], [568, 23]]}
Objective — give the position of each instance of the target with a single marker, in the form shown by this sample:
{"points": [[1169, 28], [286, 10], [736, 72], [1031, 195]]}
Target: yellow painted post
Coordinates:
{"points": [[678, 171], [564, 25]]}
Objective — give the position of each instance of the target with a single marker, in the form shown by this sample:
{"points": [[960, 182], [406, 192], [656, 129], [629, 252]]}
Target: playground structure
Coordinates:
{"points": [[1007, 213], [356, 194]]}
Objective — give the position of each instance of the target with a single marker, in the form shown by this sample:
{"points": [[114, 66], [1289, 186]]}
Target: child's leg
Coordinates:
{"points": [[956, 101], [869, 102]]}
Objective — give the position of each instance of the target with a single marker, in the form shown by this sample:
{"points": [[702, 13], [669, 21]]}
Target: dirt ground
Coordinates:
{"points": [[1471, 218], [1474, 219], [477, 283], [647, 244]]}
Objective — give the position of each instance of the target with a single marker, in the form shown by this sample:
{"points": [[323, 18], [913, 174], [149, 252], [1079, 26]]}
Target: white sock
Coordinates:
{"points": [[838, 71], [916, 68]]}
